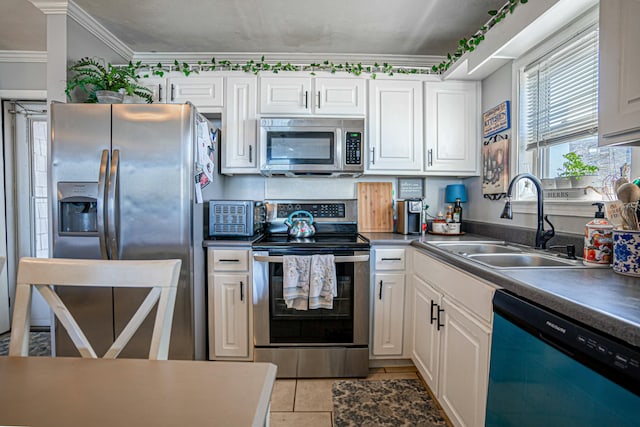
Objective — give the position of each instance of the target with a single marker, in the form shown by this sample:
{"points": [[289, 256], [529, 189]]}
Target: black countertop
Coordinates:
{"points": [[597, 297]]}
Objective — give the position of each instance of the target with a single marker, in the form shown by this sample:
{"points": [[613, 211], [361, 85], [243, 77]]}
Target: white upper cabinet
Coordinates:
{"points": [[201, 90], [331, 96], [239, 150], [395, 127], [452, 128], [158, 88], [619, 97]]}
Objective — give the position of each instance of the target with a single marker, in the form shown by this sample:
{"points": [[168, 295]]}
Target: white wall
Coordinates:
{"points": [[497, 88], [23, 76]]}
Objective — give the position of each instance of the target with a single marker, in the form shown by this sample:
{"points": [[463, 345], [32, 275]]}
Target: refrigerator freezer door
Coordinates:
{"points": [[79, 135], [154, 210]]}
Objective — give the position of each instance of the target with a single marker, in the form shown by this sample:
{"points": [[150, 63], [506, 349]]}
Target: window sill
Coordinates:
{"points": [[579, 208]]}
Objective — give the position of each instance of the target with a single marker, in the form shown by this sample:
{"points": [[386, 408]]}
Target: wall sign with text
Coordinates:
{"points": [[496, 119]]}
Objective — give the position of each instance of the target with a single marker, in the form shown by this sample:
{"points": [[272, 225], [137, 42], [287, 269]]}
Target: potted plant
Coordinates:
{"points": [[105, 83], [581, 174]]}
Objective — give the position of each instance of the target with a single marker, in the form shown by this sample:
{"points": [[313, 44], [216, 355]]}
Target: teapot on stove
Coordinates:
{"points": [[300, 226]]}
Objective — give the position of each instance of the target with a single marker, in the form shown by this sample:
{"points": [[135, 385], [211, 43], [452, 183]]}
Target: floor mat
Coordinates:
{"points": [[384, 403], [39, 344]]}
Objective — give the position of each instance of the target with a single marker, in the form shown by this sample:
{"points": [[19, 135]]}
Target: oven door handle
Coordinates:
{"points": [[354, 258]]}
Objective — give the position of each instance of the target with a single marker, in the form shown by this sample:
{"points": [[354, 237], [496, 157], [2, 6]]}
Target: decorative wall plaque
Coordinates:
{"points": [[496, 120]]}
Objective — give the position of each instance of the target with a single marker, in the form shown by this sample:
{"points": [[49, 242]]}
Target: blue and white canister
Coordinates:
{"points": [[626, 252]]}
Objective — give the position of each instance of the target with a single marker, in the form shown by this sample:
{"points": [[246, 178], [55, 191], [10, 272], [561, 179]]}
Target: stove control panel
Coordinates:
{"points": [[318, 210]]}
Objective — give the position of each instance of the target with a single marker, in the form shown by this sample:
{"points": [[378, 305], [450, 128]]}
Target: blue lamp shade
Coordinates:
{"points": [[455, 191]]}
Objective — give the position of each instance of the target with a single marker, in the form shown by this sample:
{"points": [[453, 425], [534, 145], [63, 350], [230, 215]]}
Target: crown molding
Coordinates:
{"points": [[23, 56], [51, 7], [97, 29], [403, 61], [87, 22]]}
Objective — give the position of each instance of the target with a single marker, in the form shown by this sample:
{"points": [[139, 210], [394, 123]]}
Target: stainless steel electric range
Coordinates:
{"points": [[315, 342]]}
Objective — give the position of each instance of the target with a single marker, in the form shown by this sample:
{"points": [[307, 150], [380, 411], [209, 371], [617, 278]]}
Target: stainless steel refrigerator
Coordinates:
{"points": [[122, 185]]}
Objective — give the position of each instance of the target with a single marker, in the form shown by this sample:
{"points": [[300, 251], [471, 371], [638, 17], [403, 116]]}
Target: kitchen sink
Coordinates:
{"points": [[524, 260], [504, 255], [468, 248]]}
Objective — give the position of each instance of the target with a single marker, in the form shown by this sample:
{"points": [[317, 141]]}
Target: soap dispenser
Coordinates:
{"points": [[598, 239]]}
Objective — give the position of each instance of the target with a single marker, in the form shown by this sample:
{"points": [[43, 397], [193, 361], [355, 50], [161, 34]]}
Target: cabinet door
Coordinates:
{"points": [[619, 95], [426, 337], [285, 95], [451, 127], [231, 315], [464, 366], [240, 131], [395, 126], [339, 96], [200, 91], [388, 314], [158, 88]]}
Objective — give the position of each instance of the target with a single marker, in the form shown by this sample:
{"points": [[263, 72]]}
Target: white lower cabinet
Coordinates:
{"points": [[229, 301], [451, 337], [388, 303], [388, 309]]}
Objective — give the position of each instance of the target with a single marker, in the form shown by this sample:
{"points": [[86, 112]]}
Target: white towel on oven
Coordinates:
{"points": [[323, 283], [295, 286]]}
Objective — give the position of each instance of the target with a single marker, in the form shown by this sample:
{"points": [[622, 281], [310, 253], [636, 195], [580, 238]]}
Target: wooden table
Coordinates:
{"points": [[44, 391]]}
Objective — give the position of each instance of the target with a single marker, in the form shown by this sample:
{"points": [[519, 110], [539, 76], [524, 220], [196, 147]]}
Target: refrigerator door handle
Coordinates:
{"points": [[112, 213], [100, 204]]}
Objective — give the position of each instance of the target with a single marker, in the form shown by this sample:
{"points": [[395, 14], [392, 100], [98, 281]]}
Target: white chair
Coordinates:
{"points": [[159, 275]]}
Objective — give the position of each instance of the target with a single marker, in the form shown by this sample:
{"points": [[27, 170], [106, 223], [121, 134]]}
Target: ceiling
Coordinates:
{"points": [[398, 27]]}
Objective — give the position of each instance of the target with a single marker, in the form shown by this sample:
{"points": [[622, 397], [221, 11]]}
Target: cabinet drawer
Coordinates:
{"points": [[390, 259], [229, 260]]}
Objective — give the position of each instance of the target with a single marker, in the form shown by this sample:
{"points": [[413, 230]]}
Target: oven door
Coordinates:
{"points": [[346, 324]]}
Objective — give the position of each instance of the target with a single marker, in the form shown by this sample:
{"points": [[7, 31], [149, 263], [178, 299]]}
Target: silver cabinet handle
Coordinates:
{"points": [[430, 157], [159, 92], [373, 155], [306, 99], [100, 205], [112, 192], [172, 92], [354, 258], [251, 154], [318, 100]]}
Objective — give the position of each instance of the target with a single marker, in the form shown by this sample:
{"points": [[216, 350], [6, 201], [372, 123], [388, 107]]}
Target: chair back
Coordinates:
{"points": [[161, 276]]}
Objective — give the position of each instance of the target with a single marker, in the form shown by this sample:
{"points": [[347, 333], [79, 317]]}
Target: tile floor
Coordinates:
{"points": [[307, 402]]}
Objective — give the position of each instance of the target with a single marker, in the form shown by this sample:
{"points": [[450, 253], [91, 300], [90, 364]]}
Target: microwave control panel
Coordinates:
{"points": [[354, 148]]}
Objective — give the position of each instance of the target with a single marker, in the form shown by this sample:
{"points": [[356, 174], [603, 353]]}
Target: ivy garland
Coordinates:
{"points": [[255, 67], [469, 45]]}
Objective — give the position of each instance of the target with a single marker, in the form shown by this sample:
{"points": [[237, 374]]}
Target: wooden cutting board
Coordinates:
{"points": [[375, 207]]}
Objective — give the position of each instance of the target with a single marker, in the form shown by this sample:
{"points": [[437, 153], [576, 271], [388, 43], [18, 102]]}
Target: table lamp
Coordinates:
{"points": [[455, 191]]}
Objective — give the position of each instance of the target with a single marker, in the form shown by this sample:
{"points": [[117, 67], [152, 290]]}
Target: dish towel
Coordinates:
{"points": [[323, 283], [295, 286]]}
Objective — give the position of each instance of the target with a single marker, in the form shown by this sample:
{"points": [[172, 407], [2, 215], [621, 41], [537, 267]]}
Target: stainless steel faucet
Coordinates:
{"points": [[542, 236]]}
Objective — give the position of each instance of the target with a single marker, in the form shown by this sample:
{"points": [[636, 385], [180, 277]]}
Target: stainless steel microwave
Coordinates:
{"points": [[311, 146]]}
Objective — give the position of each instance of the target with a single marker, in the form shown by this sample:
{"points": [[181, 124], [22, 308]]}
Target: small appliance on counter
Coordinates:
{"points": [[236, 218], [409, 213]]}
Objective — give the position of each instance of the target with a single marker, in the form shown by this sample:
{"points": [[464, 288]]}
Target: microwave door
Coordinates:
{"points": [[303, 151]]}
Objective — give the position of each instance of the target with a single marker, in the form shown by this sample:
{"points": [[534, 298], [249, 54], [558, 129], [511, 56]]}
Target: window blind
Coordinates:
{"points": [[559, 93]]}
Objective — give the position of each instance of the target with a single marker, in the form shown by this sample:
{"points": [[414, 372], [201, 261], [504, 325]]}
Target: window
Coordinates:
{"points": [[558, 107]]}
